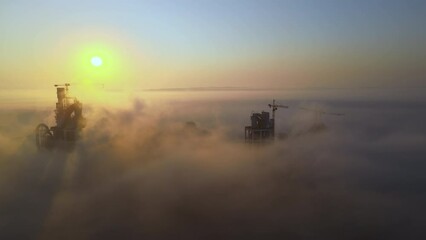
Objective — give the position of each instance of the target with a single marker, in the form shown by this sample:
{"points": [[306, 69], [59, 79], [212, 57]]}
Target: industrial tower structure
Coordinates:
{"points": [[69, 121], [262, 128]]}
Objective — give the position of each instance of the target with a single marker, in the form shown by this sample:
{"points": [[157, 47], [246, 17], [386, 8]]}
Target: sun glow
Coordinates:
{"points": [[96, 61]]}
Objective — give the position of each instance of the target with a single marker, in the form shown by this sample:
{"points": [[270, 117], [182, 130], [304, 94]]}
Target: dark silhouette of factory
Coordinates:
{"points": [[262, 128], [69, 122]]}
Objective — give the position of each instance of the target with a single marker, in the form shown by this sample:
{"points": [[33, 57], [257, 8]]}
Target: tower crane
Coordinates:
{"points": [[318, 113], [321, 112], [274, 108]]}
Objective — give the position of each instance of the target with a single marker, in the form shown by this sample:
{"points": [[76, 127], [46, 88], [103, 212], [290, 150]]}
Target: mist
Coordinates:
{"points": [[179, 169]]}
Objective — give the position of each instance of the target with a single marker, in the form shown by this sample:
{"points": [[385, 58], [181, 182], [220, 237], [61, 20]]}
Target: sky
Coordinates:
{"points": [[184, 44]]}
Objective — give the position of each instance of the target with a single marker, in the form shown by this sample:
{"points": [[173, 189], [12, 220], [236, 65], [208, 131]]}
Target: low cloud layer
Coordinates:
{"points": [[153, 172]]}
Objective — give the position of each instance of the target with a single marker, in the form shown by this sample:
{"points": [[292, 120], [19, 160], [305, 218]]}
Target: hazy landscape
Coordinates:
{"points": [[140, 171], [167, 139]]}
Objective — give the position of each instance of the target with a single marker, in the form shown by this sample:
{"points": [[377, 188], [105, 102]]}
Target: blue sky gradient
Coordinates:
{"points": [[233, 36]]}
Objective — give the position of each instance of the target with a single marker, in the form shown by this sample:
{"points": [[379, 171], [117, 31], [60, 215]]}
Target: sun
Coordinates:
{"points": [[96, 61]]}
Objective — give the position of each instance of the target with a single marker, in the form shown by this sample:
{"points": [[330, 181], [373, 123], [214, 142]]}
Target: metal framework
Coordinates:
{"points": [[262, 128]]}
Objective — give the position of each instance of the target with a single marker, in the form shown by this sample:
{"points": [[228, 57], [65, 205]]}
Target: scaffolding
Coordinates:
{"points": [[261, 129]]}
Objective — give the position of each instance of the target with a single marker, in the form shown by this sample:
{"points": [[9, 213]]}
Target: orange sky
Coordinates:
{"points": [[252, 44]]}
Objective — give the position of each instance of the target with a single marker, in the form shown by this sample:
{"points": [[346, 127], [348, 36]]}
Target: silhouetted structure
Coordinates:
{"points": [[262, 128], [69, 121]]}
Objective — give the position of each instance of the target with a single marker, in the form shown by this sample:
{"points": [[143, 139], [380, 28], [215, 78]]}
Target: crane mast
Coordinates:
{"points": [[275, 108]]}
